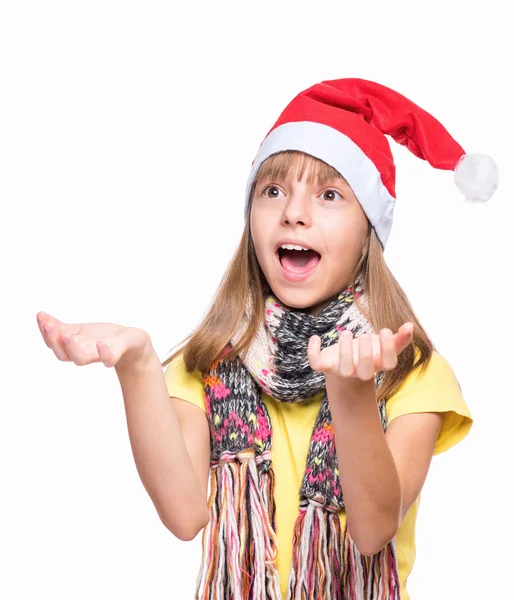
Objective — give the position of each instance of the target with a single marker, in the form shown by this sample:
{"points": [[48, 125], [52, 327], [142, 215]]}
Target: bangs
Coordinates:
{"points": [[277, 166]]}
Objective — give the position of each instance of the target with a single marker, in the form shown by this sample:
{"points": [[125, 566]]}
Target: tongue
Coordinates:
{"points": [[300, 261]]}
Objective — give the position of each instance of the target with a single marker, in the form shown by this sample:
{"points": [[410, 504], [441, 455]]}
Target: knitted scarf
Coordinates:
{"points": [[240, 543]]}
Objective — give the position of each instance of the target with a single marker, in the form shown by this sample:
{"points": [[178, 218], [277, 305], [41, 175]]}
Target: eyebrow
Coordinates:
{"points": [[317, 180]]}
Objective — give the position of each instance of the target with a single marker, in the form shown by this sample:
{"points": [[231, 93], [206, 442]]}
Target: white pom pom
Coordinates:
{"points": [[476, 176]]}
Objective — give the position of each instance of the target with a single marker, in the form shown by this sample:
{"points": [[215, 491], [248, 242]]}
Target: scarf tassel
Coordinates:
{"points": [[317, 555], [239, 544], [370, 577], [328, 566]]}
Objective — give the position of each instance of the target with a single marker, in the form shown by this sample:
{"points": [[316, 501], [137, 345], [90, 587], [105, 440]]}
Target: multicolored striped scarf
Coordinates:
{"points": [[240, 542]]}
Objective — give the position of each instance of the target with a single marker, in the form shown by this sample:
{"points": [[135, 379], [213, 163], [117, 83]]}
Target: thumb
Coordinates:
{"points": [[403, 337], [106, 355], [132, 345], [116, 346]]}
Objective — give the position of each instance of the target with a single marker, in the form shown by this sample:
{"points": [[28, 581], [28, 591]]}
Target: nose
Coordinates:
{"points": [[297, 210]]}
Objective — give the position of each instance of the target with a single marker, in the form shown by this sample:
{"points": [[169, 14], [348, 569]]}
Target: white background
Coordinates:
{"points": [[127, 134]]}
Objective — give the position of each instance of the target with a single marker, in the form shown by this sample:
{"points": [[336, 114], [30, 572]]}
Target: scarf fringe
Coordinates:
{"points": [[328, 566], [317, 557], [239, 544]]}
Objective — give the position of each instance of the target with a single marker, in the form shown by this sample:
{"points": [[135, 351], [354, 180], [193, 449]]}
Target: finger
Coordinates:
{"points": [[46, 319], [389, 356], [105, 354], [364, 369], [403, 337], [346, 351], [41, 320], [377, 352], [314, 352], [80, 352], [108, 351], [127, 344], [53, 341], [50, 329]]}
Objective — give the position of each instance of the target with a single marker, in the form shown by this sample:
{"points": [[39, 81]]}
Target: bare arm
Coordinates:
{"points": [[381, 475], [170, 443]]}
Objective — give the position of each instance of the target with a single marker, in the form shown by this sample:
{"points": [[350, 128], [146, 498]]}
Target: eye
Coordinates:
{"points": [[331, 195], [272, 191]]}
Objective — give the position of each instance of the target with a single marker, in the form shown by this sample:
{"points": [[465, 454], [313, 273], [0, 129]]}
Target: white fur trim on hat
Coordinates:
{"points": [[340, 152]]}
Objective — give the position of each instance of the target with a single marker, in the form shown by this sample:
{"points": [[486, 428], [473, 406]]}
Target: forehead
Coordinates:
{"points": [[298, 165]]}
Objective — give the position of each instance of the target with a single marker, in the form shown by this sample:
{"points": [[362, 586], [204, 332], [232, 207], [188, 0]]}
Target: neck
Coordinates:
{"points": [[317, 308]]}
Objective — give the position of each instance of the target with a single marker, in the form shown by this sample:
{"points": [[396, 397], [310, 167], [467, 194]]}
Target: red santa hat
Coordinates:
{"points": [[344, 122]]}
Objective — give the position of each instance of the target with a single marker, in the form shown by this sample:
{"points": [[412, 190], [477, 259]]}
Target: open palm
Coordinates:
{"points": [[85, 343]]}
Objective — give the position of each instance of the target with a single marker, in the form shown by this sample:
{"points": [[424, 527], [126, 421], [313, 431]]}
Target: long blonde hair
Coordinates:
{"points": [[244, 279]]}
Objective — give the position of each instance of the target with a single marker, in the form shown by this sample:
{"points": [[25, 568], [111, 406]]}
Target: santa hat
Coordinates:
{"points": [[344, 122]]}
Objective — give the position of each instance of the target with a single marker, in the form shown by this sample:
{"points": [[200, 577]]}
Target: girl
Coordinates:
{"points": [[310, 390]]}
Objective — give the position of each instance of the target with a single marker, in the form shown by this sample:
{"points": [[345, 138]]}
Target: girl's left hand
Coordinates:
{"points": [[361, 357]]}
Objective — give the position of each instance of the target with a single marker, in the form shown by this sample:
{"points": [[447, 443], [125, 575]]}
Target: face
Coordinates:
{"points": [[327, 219]]}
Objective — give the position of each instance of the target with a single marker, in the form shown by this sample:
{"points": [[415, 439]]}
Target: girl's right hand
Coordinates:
{"points": [[85, 343]]}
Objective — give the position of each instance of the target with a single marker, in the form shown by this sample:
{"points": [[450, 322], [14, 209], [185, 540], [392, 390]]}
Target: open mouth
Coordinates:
{"points": [[297, 264]]}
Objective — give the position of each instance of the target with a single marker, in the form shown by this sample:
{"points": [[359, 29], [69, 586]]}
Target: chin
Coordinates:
{"points": [[297, 298]]}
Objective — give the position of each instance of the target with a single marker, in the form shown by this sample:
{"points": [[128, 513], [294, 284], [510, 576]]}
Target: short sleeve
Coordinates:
{"points": [[434, 390], [184, 385]]}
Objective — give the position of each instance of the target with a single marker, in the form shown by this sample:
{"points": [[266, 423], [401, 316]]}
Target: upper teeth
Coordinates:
{"points": [[293, 247]]}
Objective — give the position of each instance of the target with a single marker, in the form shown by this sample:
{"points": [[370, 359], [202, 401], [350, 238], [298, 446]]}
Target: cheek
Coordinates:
{"points": [[258, 233], [343, 238]]}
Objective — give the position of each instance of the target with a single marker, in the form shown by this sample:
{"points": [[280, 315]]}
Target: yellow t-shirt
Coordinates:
{"points": [[436, 390]]}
